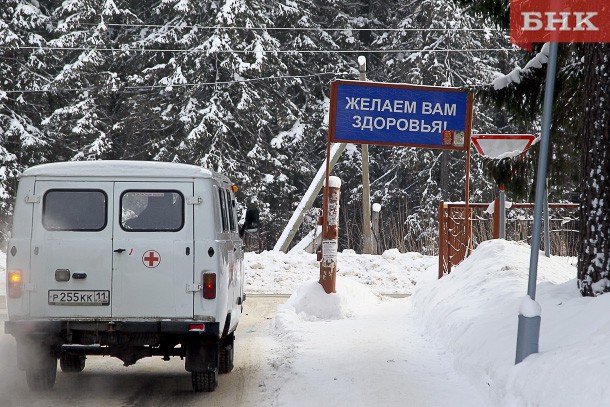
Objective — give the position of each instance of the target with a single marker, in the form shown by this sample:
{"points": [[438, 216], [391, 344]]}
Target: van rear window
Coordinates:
{"points": [[82, 210], [152, 211]]}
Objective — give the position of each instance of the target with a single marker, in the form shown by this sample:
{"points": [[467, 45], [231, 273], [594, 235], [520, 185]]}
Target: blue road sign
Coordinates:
{"points": [[398, 114]]}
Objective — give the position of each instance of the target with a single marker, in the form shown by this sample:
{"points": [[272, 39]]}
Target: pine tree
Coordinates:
{"points": [[593, 260], [582, 83], [22, 141]]}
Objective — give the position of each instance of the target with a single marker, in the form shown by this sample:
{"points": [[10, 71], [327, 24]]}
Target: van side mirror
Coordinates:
{"points": [[251, 222]]}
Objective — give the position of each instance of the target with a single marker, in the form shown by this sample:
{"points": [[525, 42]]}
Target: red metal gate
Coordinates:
{"points": [[455, 229]]}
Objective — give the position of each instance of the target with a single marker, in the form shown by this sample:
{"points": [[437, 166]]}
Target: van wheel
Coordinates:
{"points": [[225, 358], [71, 363], [205, 381], [42, 378]]}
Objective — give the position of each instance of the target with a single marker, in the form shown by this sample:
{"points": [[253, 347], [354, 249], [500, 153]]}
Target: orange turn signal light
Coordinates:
{"points": [[15, 284]]}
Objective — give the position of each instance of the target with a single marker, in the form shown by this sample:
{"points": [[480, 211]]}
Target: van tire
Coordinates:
{"points": [[42, 378], [71, 363], [205, 381], [225, 356]]}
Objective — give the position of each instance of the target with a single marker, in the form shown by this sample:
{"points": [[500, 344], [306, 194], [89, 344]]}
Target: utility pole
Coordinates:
{"points": [[367, 241]]}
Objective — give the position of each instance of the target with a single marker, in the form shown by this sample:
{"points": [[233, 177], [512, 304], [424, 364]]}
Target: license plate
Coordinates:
{"points": [[79, 297]]}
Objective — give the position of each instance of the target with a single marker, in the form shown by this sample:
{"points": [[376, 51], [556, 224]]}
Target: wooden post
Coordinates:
{"points": [[375, 221], [442, 239], [367, 241], [308, 199], [496, 229], [330, 233]]}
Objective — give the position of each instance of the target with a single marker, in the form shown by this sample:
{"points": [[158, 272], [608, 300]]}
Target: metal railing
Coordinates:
{"points": [[457, 238]]}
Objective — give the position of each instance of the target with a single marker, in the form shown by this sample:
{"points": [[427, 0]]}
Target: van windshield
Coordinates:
{"points": [[74, 210], [152, 211]]}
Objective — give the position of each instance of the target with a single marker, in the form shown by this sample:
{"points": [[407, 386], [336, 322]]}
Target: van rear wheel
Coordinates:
{"points": [[71, 363], [205, 381], [225, 356], [42, 378]]}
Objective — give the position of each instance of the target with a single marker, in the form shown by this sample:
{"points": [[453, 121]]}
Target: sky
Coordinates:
{"points": [[450, 343]]}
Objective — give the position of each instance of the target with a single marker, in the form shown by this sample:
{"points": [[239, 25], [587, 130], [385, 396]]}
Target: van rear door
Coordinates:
{"points": [[71, 249], [153, 250]]}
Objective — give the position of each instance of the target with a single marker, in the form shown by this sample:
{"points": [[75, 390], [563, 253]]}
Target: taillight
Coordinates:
{"points": [[209, 286], [15, 284]]}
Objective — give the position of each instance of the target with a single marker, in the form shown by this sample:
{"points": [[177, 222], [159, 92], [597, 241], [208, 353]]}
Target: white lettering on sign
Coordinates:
{"points": [[438, 108], [379, 105], [585, 19], [412, 125], [533, 21]]}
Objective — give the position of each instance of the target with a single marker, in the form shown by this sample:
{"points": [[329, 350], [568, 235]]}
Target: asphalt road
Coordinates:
{"points": [[151, 381]]}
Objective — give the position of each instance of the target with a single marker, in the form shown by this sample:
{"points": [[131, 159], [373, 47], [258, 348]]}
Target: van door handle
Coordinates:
{"points": [[119, 250], [79, 276]]}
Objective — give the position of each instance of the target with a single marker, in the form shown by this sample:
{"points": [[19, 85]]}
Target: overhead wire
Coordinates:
{"points": [[131, 48], [221, 27], [177, 85], [277, 51]]}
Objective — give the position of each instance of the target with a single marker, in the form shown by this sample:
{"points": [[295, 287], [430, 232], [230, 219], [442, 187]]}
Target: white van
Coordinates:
{"points": [[128, 259]]}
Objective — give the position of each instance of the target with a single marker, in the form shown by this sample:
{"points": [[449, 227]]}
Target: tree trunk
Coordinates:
{"points": [[593, 260]]}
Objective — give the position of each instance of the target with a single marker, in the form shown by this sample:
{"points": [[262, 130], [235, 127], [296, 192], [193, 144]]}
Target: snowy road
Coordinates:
{"points": [[391, 363], [152, 382], [384, 357]]}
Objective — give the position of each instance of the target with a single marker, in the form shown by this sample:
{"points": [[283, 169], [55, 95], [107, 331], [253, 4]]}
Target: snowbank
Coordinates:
{"points": [[309, 302], [392, 272], [475, 309]]}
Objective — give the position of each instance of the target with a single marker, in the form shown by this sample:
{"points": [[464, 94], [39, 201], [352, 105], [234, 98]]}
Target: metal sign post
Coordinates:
{"points": [[528, 332]]}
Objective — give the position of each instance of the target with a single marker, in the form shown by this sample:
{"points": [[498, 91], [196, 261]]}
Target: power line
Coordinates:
{"points": [[220, 27], [279, 51], [150, 87]]}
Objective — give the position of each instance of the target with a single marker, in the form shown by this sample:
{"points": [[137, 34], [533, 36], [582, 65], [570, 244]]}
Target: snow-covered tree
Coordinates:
{"points": [[593, 259]]}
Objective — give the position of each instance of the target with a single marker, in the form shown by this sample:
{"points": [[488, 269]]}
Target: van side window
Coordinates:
{"points": [[223, 210], [82, 210], [152, 211], [231, 212]]}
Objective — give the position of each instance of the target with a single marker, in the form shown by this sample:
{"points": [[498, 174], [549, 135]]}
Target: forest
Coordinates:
{"points": [[242, 87]]}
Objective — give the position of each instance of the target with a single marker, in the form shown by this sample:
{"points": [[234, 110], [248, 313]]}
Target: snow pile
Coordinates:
{"points": [[475, 311], [310, 302], [392, 272]]}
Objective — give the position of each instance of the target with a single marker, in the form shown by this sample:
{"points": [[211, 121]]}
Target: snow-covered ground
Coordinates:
{"points": [[390, 273], [451, 344]]}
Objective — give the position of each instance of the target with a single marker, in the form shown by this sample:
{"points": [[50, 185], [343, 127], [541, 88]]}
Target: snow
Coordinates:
{"points": [[529, 308], [391, 273], [452, 343], [515, 75], [334, 182], [116, 168]]}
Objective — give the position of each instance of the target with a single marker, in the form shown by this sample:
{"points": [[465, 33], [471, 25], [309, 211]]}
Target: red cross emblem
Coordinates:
{"points": [[151, 259]]}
